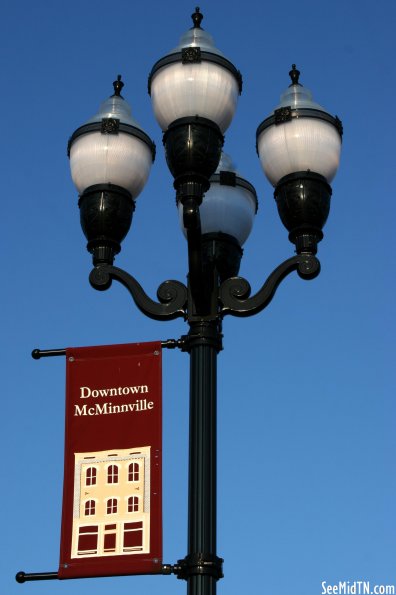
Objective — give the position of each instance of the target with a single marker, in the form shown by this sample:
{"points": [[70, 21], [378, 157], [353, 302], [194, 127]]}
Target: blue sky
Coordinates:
{"points": [[307, 438]]}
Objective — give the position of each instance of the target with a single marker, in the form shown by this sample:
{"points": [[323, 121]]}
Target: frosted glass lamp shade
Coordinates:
{"points": [[195, 79], [228, 209], [206, 89], [229, 206], [299, 145], [119, 159], [299, 136], [111, 148]]}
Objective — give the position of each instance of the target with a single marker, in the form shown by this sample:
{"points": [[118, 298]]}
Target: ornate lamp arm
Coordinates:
{"points": [[172, 295], [234, 292]]}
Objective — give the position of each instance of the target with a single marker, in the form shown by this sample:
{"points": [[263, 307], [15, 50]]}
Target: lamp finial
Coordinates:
{"points": [[294, 75], [118, 84], [197, 18]]}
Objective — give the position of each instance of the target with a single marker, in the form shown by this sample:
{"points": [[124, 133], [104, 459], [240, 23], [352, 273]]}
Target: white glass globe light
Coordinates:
{"points": [[226, 208], [100, 154], [299, 136], [194, 79]]}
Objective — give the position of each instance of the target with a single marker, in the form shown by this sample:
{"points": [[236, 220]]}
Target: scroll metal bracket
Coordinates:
{"points": [[172, 295], [234, 293]]}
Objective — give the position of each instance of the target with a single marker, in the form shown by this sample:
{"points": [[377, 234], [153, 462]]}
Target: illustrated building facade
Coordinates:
{"points": [[111, 507]]}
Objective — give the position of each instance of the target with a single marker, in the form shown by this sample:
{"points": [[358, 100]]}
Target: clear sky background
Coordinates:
{"points": [[307, 441]]}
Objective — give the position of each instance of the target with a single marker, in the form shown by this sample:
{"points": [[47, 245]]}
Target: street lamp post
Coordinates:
{"points": [[194, 91]]}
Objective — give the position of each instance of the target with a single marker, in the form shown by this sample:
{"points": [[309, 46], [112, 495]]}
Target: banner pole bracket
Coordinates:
{"points": [[168, 344], [24, 577], [39, 353], [199, 564], [173, 343]]}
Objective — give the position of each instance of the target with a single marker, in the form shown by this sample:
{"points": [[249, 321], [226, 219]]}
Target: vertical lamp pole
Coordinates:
{"points": [[194, 91]]}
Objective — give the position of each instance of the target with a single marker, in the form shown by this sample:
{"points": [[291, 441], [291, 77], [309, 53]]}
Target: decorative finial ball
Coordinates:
{"points": [[294, 75], [197, 18], [118, 84]]}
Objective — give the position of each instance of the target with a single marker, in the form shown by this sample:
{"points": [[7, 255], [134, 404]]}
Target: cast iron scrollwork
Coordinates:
{"points": [[172, 295], [234, 293]]}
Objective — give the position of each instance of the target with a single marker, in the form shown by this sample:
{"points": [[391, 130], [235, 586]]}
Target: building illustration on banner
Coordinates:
{"points": [[111, 507]]}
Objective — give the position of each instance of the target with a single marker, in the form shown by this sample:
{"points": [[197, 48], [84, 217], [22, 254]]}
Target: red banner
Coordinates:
{"points": [[112, 505]]}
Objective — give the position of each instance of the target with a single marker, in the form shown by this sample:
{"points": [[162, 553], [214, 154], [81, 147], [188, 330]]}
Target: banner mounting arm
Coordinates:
{"points": [[168, 344], [23, 577]]}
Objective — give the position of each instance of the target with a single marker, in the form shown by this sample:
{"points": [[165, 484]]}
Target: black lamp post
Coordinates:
{"points": [[194, 90]]}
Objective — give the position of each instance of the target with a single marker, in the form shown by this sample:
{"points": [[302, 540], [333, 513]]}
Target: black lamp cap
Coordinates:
{"points": [[197, 17], [118, 85], [294, 75]]}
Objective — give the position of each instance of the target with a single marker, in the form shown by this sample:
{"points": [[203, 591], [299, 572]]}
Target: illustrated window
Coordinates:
{"points": [[133, 504], [89, 507], [133, 536], [133, 472], [90, 477], [111, 506], [112, 474], [88, 540], [110, 538]]}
